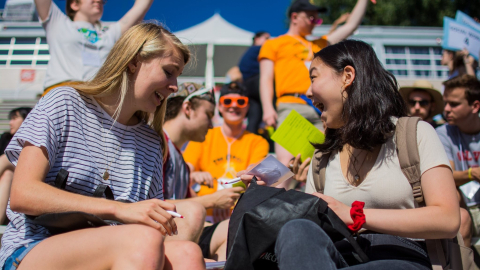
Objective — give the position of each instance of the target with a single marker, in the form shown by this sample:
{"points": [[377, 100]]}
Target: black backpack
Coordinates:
{"points": [[260, 214]]}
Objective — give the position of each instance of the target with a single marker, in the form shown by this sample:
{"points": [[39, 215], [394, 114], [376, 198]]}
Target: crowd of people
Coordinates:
{"points": [[114, 114]]}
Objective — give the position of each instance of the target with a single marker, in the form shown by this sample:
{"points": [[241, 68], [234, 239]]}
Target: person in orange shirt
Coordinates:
{"points": [[227, 149], [287, 59]]}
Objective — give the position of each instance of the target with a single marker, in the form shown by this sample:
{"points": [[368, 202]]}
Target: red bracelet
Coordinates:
{"points": [[356, 212]]}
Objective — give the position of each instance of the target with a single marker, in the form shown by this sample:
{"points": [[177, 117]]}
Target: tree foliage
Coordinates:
{"points": [[402, 12]]}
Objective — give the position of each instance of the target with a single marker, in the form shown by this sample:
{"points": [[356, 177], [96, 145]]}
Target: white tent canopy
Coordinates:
{"points": [[213, 32]]}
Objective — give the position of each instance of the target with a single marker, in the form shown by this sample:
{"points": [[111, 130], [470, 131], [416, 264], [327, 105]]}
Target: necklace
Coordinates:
{"points": [[229, 148], [356, 177], [105, 174]]}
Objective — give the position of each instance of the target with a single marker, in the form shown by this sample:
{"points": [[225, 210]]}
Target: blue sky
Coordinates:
{"points": [[252, 15]]}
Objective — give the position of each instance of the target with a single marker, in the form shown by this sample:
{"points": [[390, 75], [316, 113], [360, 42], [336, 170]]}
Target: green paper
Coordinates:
{"points": [[296, 135], [240, 184]]}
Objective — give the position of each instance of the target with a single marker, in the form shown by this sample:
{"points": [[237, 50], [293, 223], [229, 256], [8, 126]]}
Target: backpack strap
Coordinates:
{"points": [[319, 167], [61, 179], [408, 156]]}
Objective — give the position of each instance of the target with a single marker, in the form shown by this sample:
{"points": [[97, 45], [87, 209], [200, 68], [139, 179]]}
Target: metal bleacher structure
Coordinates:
{"points": [[409, 53]]}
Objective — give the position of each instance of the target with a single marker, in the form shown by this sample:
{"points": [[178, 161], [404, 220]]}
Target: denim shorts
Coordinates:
{"points": [[17, 256]]}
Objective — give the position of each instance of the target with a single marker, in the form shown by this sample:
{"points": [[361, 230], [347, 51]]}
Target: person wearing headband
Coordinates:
{"points": [[188, 119], [107, 131], [227, 149]]}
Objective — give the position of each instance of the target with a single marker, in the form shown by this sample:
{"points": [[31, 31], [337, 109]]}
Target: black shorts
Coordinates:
{"points": [[206, 238]]}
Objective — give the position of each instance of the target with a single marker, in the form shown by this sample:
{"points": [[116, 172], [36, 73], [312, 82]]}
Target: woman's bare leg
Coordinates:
{"points": [[115, 247], [218, 244], [183, 255], [189, 228]]}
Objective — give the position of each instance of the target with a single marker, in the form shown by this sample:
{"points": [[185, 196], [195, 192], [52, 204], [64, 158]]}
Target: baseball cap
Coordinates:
{"points": [[304, 5], [232, 88]]}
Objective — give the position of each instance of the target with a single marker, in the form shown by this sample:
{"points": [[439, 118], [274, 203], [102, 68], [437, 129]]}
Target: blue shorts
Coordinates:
{"points": [[17, 256]]}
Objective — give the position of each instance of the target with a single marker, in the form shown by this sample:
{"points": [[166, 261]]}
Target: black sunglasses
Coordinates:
{"points": [[423, 102]]}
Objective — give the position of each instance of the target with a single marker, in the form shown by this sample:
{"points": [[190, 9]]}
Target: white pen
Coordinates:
{"points": [[233, 181], [174, 214]]}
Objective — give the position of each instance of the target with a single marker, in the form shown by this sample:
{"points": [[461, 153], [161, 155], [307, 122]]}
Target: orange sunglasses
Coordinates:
{"points": [[240, 102]]}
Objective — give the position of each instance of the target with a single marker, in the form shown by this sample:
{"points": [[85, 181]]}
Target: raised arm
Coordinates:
{"points": [[43, 7], [266, 92], [343, 18], [352, 23], [135, 14]]}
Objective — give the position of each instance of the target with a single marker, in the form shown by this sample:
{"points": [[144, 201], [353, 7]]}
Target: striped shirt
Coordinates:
{"points": [[81, 137], [177, 173]]}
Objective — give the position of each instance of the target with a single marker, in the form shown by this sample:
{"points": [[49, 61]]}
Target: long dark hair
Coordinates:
{"points": [[372, 98]]}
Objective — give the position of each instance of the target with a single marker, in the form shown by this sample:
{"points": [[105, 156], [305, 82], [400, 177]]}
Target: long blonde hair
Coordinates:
{"points": [[147, 41]]}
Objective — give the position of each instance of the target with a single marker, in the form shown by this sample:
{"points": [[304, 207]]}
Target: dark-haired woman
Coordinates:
{"points": [[458, 63], [78, 42], [360, 105]]}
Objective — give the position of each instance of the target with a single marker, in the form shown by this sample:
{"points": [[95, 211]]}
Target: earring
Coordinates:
{"points": [[132, 70]]}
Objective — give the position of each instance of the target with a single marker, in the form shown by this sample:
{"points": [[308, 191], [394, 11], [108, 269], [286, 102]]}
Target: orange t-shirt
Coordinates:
{"points": [[211, 156], [290, 55]]}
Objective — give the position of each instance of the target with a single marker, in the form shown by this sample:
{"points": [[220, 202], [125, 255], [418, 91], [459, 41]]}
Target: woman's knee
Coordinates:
{"points": [[191, 226], [183, 254], [301, 226], [301, 231], [142, 241], [193, 211]]}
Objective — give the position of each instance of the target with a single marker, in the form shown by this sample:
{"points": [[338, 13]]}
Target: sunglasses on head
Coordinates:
{"points": [[240, 102], [203, 93], [422, 103]]}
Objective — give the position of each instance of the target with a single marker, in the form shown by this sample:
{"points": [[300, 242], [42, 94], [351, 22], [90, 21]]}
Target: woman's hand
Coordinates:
{"points": [[247, 178], [300, 169], [467, 58], [226, 198], [149, 212], [202, 178], [342, 210]]}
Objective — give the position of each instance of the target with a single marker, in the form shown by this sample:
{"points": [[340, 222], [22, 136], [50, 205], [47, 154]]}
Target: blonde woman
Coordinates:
{"points": [[100, 133]]}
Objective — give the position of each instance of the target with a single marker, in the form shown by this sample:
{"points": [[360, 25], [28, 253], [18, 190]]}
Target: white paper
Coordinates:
{"points": [[467, 20], [458, 36], [91, 59], [470, 189], [221, 186], [271, 171]]}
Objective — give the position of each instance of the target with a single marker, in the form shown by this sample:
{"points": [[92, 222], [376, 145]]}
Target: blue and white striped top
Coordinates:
{"points": [[79, 137], [177, 174]]}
